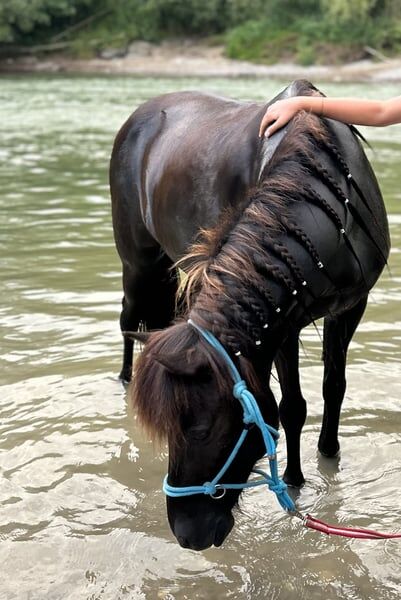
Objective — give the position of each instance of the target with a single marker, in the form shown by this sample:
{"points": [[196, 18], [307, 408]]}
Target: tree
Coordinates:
{"points": [[21, 17]]}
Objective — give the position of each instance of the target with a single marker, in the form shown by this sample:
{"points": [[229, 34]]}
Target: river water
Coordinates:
{"points": [[82, 515]]}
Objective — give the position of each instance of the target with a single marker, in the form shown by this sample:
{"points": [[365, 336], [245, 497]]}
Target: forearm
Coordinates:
{"points": [[348, 110], [352, 110]]}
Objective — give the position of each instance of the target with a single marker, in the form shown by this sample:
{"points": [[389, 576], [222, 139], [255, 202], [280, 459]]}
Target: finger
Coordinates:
{"points": [[267, 119], [262, 126], [274, 127], [270, 130]]}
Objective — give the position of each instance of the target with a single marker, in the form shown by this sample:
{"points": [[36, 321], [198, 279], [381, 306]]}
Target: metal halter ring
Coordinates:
{"points": [[220, 491]]}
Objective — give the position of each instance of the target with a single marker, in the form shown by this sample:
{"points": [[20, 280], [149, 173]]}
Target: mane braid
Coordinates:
{"points": [[331, 213], [283, 253], [279, 250], [274, 271], [326, 143], [305, 241], [302, 238], [245, 310], [330, 182], [332, 149]]}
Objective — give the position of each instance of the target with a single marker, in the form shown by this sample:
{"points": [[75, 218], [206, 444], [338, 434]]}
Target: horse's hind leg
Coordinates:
{"points": [[338, 333], [149, 299], [292, 407]]}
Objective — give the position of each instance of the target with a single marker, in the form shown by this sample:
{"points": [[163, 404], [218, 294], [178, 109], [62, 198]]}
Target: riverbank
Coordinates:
{"points": [[190, 59]]}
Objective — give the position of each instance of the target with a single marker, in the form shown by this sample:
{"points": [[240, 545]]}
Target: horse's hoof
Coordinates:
{"points": [[125, 378], [330, 452], [296, 481]]}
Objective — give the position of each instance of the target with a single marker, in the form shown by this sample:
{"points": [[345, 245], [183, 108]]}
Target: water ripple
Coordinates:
{"points": [[80, 484]]}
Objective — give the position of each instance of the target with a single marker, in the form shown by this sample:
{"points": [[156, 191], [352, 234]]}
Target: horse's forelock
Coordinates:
{"points": [[162, 398]]}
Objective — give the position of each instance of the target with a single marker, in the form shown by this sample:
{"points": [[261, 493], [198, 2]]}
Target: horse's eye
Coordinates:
{"points": [[198, 433]]}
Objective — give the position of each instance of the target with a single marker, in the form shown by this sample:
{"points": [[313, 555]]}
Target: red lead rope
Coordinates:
{"points": [[351, 532]]}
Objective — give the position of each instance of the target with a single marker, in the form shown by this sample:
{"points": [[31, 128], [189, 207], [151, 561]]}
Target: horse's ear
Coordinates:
{"points": [[137, 336], [186, 362]]}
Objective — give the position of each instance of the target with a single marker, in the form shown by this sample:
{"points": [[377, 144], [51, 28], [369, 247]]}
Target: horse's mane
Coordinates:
{"points": [[244, 262]]}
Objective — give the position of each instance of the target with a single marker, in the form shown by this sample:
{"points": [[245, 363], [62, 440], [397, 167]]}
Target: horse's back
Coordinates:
{"points": [[185, 156]]}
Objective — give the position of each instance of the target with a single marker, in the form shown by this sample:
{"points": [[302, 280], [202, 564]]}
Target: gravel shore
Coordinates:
{"points": [[188, 59]]}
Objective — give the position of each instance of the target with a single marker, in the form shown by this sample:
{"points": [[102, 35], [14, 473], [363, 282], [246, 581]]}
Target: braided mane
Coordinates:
{"points": [[244, 269]]}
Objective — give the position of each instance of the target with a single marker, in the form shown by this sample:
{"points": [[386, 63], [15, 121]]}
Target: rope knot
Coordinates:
{"points": [[248, 402], [278, 487], [239, 388], [209, 488]]}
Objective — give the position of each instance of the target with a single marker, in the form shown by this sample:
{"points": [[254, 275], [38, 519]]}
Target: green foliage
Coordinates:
{"points": [[260, 41], [151, 19], [259, 30], [310, 32], [306, 52], [343, 11], [19, 19]]}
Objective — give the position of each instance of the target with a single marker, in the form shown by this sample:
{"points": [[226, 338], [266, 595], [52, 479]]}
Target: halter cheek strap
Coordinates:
{"points": [[251, 416]]}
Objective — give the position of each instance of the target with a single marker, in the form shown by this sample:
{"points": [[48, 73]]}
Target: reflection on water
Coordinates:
{"points": [[81, 510]]}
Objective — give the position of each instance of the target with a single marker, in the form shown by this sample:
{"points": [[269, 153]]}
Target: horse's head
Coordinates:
{"points": [[182, 392]]}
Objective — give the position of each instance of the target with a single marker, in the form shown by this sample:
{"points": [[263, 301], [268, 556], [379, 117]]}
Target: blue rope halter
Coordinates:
{"points": [[252, 416]]}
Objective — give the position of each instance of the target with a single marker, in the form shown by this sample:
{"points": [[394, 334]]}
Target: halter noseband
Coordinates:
{"points": [[252, 416]]}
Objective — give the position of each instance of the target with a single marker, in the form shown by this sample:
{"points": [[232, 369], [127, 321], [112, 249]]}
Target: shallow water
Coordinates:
{"points": [[81, 510]]}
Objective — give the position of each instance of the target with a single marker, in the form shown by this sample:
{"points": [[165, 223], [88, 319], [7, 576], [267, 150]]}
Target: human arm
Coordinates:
{"points": [[349, 110]]}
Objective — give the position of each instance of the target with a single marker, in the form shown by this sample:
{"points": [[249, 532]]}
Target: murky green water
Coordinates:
{"points": [[81, 510]]}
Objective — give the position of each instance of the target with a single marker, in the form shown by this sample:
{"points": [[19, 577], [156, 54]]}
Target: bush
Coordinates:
{"points": [[261, 42], [310, 39]]}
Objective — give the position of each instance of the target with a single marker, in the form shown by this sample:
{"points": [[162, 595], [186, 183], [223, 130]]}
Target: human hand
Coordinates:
{"points": [[278, 115]]}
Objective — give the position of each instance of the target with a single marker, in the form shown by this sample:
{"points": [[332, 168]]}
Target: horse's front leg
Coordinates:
{"points": [[149, 298], [292, 408], [337, 335]]}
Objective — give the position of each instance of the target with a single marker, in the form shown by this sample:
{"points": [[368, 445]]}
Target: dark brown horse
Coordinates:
{"points": [[294, 229]]}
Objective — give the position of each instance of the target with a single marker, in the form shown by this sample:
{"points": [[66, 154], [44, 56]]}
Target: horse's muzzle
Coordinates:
{"points": [[199, 534]]}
